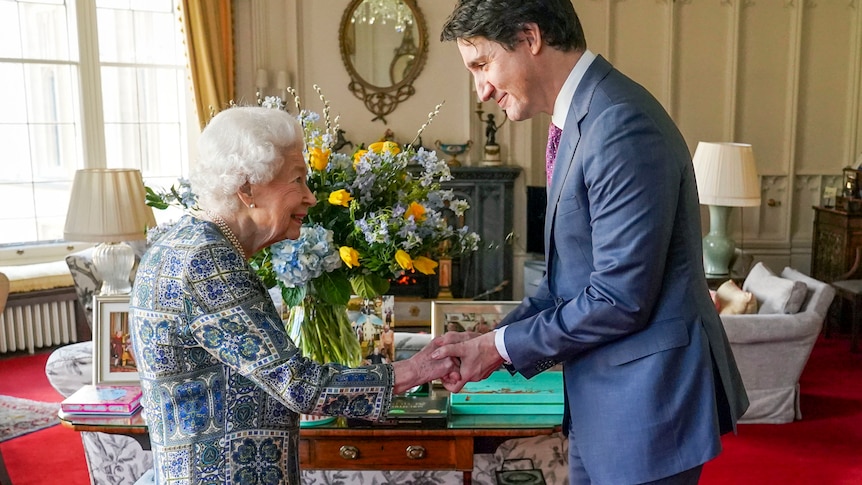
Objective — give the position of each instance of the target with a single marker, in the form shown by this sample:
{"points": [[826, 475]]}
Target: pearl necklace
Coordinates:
{"points": [[225, 229]]}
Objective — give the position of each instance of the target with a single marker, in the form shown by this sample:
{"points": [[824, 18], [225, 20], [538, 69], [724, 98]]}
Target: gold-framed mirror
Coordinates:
{"points": [[384, 45]]}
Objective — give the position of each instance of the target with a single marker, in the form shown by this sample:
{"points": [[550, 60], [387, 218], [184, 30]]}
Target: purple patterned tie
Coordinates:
{"points": [[551, 153]]}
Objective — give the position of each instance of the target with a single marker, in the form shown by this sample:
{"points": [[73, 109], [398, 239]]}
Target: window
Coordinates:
{"points": [[87, 83]]}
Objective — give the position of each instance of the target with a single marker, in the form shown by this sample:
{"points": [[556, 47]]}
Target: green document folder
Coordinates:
{"points": [[504, 393]]}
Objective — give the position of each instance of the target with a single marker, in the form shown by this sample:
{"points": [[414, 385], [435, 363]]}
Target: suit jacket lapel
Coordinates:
{"points": [[569, 143]]}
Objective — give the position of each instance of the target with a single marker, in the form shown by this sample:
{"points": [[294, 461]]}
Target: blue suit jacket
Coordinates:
{"points": [[649, 376]]}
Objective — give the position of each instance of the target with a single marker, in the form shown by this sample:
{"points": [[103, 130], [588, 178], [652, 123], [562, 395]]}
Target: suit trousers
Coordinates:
{"points": [[578, 474]]}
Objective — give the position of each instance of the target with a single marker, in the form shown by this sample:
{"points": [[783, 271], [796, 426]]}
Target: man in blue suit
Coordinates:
{"points": [[650, 380]]}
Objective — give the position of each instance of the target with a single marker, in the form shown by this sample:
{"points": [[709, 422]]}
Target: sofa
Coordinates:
{"points": [[114, 459], [771, 347]]}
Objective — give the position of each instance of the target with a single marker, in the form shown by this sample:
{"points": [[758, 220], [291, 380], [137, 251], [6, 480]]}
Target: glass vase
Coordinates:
{"points": [[323, 332]]}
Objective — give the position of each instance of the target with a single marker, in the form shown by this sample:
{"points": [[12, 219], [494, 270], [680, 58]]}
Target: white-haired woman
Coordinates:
{"points": [[223, 383]]}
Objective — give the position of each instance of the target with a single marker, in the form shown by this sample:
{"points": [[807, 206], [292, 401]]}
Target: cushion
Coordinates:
{"points": [[732, 300], [39, 276], [773, 293]]}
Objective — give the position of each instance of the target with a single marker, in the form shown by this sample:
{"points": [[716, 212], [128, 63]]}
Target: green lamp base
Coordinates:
{"points": [[718, 249]]}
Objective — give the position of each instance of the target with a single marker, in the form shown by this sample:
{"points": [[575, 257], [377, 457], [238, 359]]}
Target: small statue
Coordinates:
{"points": [[490, 130], [491, 156], [341, 141]]}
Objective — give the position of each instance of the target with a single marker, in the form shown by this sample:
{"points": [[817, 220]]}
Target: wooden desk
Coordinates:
{"points": [[337, 447]]}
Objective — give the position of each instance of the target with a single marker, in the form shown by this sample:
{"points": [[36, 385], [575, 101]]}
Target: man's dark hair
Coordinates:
{"points": [[502, 20]]}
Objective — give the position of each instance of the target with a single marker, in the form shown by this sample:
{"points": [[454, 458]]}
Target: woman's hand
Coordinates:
{"points": [[421, 368], [476, 354]]}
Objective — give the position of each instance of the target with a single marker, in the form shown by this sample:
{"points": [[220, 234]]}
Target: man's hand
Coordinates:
{"points": [[478, 357]]}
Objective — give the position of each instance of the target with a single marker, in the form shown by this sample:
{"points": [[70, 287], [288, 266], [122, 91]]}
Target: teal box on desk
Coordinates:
{"points": [[504, 393]]}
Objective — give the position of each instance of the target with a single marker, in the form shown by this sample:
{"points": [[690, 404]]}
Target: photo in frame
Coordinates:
{"points": [[113, 359], [373, 320], [468, 316]]}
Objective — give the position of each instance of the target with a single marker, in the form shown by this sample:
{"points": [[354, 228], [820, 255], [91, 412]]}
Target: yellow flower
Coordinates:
{"points": [[403, 259], [424, 265], [350, 256], [340, 197], [358, 155], [416, 210], [318, 158], [385, 146]]}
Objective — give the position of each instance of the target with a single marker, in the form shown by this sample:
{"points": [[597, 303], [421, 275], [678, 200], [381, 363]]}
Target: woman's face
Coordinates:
{"points": [[281, 204]]}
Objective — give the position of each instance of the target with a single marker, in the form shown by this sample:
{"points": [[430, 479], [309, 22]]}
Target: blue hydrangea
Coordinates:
{"points": [[298, 261]]}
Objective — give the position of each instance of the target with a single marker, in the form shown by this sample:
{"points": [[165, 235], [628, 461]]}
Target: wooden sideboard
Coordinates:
{"points": [[837, 234], [337, 447]]}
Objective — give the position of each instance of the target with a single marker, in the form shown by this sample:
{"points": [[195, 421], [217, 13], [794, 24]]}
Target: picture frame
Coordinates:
{"points": [[468, 315], [113, 359], [373, 320]]}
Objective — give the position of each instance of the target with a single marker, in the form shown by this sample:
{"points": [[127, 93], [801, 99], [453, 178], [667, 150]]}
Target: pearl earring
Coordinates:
{"points": [[251, 205]]}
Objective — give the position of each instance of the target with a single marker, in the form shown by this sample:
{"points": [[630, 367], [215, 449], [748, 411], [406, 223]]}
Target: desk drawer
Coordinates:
{"points": [[370, 453]]}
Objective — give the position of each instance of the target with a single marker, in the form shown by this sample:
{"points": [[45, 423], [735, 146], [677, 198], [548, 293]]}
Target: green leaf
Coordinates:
{"points": [[292, 296], [332, 287], [261, 263], [369, 285]]}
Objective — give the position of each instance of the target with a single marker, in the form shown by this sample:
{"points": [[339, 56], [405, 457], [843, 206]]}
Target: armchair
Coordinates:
{"points": [[771, 350]]}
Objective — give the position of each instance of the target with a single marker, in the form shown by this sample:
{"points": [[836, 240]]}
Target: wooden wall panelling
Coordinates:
{"points": [[773, 227], [824, 87], [765, 97], [595, 19], [703, 81], [642, 55], [854, 112]]}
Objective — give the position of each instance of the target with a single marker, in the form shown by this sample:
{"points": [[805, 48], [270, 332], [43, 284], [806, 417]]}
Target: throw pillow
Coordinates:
{"points": [[773, 293], [735, 301], [713, 295]]}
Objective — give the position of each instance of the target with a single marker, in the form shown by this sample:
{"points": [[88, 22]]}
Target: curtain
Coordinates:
{"points": [[208, 28]]}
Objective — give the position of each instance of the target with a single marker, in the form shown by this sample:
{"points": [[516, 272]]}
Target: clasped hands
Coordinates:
{"points": [[455, 358]]}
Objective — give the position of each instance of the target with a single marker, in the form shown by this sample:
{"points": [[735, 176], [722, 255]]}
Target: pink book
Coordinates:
{"points": [[103, 399]]}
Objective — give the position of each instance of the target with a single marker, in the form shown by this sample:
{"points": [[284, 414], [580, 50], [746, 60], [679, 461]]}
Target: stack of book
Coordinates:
{"points": [[103, 399], [410, 412]]}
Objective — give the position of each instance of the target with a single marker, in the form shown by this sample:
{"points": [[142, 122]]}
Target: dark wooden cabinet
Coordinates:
{"points": [[837, 234], [490, 192]]}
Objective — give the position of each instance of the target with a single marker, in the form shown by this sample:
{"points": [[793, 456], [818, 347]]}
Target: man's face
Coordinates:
{"points": [[507, 77]]}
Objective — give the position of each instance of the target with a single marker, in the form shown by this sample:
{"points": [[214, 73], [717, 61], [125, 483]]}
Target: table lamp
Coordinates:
{"points": [[108, 206], [726, 177]]}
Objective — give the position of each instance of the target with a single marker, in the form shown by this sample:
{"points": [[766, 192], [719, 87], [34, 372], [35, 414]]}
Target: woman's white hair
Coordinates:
{"points": [[241, 145]]}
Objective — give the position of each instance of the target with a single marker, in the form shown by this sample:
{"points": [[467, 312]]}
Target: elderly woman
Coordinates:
{"points": [[223, 383]]}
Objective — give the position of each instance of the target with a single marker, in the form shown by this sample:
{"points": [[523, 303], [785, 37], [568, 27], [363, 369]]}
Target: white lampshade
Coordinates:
{"points": [[108, 206], [726, 174]]}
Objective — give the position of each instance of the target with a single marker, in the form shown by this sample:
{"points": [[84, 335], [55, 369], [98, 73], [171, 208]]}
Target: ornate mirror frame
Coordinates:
{"points": [[406, 64]]}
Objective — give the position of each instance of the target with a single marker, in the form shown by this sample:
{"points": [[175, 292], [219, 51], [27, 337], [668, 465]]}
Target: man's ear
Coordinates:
{"points": [[533, 37]]}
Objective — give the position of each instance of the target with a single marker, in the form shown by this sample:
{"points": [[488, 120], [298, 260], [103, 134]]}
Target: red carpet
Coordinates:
{"points": [[51, 456], [825, 447]]}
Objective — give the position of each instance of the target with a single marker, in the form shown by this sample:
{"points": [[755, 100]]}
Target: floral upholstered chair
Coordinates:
{"points": [[111, 458]]}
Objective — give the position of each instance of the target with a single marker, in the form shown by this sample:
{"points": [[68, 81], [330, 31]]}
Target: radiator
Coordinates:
{"points": [[38, 319]]}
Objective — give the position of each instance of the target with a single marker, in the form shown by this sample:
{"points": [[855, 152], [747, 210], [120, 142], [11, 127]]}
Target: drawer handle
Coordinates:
{"points": [[415, 452], [349, 452]]}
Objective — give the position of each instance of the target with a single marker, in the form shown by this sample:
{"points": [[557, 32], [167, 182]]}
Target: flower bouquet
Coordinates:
{"points": [[375, 219]]}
